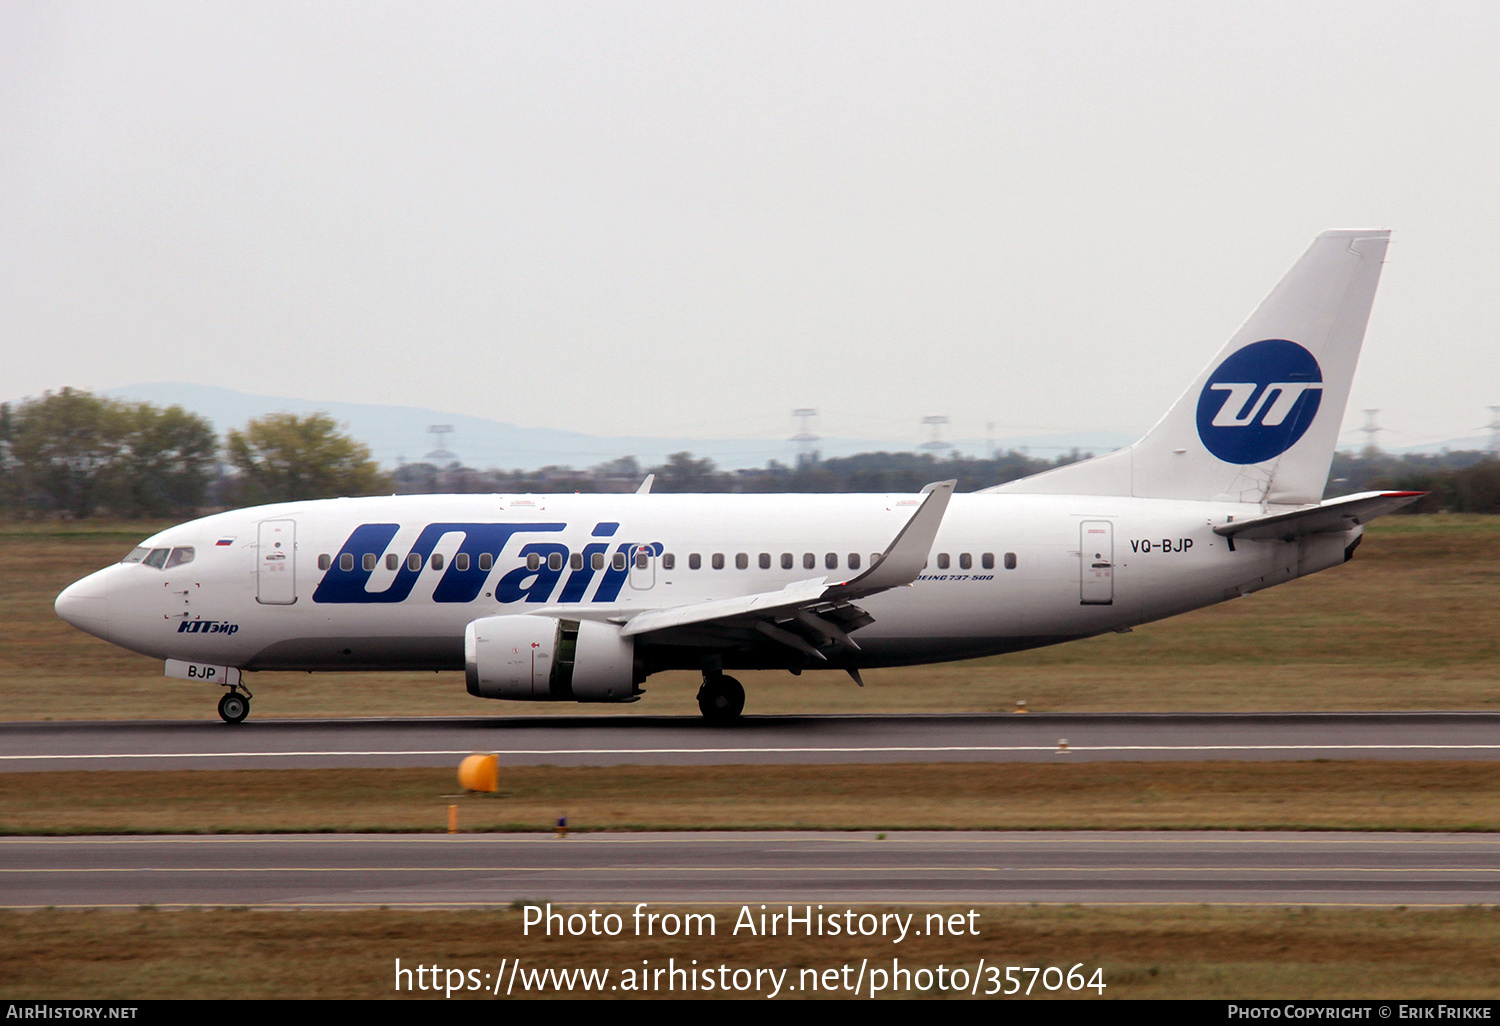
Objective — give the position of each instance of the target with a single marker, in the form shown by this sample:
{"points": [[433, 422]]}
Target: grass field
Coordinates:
{"points": [[1412, 623], [1352, 795], [1144, 952]]}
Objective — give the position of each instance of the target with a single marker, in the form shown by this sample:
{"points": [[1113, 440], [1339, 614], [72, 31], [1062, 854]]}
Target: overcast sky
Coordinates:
{"points": [[688, 219]]}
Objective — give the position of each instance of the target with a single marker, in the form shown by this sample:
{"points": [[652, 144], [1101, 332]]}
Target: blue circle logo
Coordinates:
{"points": [[1260, 401]]}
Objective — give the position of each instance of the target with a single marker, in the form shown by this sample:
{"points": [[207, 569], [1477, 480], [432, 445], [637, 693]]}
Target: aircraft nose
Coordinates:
{"points": [[85, 605]]}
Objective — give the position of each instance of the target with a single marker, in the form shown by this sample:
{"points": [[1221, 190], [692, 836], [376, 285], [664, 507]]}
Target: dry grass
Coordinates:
{"points": [[1145, 951], [1412, 623], [977, 796]]}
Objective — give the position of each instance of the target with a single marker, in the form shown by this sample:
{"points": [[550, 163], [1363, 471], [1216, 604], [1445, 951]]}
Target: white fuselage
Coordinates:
{"points": [[392, 583]]}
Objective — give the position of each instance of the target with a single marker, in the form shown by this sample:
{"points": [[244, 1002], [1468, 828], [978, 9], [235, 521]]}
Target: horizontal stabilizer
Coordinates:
{"points": [[1334, 515]]}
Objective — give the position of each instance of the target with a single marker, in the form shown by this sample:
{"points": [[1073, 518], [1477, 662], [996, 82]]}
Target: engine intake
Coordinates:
{"points": [[548, 659]]}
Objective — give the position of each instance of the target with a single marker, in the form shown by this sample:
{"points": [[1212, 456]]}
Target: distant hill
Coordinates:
{"points": [[397, 433]]}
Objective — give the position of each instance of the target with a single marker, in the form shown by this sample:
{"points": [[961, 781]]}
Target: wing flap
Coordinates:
{"points": [[758, 606]]}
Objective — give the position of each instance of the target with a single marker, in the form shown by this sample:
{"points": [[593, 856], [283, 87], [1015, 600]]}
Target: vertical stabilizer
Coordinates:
{"points": [[1261, 422]]}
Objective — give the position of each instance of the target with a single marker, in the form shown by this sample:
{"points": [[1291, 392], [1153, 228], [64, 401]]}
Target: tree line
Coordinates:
{"points": [[682, 472], [75, 454]]}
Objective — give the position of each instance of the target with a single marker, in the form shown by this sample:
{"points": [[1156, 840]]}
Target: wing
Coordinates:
{"points": [[808, 615]]}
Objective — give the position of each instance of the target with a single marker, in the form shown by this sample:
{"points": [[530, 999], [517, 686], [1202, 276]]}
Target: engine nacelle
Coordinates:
{"points": [[548, 659]]}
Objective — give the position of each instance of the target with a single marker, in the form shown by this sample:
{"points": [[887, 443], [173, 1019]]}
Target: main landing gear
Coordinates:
{"points": [[721, 699], [234, 706]]}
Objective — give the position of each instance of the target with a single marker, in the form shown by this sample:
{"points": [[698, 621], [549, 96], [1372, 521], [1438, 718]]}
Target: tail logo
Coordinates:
{"points": [[1260, 401]]}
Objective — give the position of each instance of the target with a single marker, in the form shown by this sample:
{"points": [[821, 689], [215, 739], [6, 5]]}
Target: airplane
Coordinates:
{"points": [[583, 597]]}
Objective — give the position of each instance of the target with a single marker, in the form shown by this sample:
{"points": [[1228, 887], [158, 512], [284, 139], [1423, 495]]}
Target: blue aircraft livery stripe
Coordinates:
{"points": [[351, 586]]}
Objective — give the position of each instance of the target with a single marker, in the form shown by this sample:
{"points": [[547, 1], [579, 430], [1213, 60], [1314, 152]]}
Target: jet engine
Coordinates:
{"points": [[549, 659]]}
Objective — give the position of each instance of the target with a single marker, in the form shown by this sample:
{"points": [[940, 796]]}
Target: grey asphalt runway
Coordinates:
{"points": [[339, 871], [604, 740]]}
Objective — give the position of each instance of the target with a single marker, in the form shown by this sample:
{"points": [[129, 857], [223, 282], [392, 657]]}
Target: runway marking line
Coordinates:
{"points": [[1072, 748], [753, 869], [750, 869], [604, 837]]}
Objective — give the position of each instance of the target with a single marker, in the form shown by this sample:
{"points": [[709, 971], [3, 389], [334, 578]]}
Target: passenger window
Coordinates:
{"points": [[533, 561], [179, 556], [642, 558], [854, 561], [414, 562], [437, 560], [809, 561], [965, 561], [346, 562], [786, 561], [392, 561], [157, 559], [942, 560], [765, 561], [987, 561], [575, 561], [741, 561], [718, 560], [368, 562], [486, 560], [325, 561], [695, 562], [668, 561], [831, 561], [597, 562], [1010, 561], [618, 561], [554, 561], [461, 562]]}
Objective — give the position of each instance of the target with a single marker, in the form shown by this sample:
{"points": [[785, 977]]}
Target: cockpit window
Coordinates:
{"points": [[161, 559]]}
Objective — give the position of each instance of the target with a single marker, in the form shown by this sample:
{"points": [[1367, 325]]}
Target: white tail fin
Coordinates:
{"points": [[1261, 422]]}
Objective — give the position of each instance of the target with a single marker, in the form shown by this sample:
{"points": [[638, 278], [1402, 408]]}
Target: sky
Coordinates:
{"points": [[689, 219]]}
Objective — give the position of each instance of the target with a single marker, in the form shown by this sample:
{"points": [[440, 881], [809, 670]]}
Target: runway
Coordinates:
{"points": [[429, 871], [666, 740]]}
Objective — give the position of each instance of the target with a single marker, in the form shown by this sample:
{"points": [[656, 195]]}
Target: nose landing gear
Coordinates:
{"points": [[721, 699], [235, 706]]}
